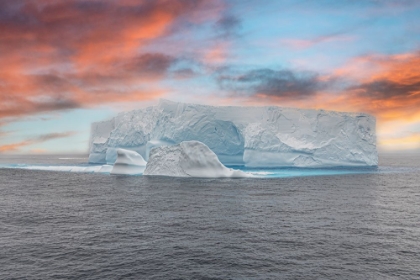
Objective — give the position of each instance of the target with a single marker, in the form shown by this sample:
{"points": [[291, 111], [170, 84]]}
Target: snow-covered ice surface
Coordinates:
{"points": [[128, 163], [188, 159], [250, 136]]}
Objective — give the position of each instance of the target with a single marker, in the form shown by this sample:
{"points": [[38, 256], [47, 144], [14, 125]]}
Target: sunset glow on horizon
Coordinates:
{"points": [[66, 64]]}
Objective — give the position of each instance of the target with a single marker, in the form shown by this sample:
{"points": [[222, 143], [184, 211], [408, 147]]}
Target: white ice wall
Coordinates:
{"points": [[254, 136]]}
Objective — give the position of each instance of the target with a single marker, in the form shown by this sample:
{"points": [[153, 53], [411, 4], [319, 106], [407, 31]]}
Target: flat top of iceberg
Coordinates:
{"points": [[165, 103]]}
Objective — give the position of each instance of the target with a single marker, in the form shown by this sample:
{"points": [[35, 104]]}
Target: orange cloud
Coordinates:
{"points": [[38, 151], [35, 140], [409, 142], [390, 87], [217, 54], [67, 54], [15, 146]]}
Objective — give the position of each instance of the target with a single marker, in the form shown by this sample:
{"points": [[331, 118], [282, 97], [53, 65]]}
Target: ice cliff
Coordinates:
{"points": [[251, 136], [188, 159]]}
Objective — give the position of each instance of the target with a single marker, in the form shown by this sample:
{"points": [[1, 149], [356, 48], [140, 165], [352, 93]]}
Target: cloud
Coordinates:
{"points": [[285, 84], [342, 35], [150, 64], [217, 50], [217, 53], [4, 133], [386, 89], [50, 136], [25, 106], [405, 142], [298, 44], [228, 26], [61, 55], [35, 140], [38, 151], [184, 73], [389, 86]]}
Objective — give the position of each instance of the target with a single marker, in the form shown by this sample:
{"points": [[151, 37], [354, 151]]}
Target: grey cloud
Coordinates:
{"points": [[280, 83], [228, 26], [151, 64], [385, 89], [51, 136]]}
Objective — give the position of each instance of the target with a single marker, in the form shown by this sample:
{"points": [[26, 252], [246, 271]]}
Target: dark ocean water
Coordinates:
{"points": [[60, 225]]}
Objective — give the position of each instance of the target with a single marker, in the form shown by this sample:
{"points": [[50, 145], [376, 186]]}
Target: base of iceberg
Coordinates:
{"points": [[250, 172], [188, 159], [128, 163]]}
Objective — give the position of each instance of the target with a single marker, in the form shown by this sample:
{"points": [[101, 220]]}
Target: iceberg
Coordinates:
{"points": [[128, 163], [256, 137], [188, 159]]}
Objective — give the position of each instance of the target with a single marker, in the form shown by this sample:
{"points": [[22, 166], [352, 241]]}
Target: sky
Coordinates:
{"points": [[66, 64]]}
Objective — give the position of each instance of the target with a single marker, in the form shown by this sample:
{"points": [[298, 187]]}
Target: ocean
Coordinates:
{"points": [[291, 224]]}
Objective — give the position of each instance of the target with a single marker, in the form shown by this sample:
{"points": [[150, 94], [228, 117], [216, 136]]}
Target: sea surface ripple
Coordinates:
{"points": [[59, 225]]}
